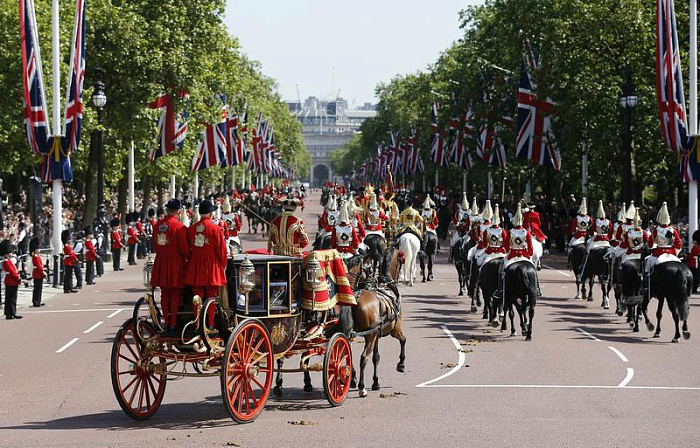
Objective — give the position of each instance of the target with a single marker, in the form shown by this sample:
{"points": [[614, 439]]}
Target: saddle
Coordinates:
{"points": [[516, 260], [665, 258], [410, 230]]}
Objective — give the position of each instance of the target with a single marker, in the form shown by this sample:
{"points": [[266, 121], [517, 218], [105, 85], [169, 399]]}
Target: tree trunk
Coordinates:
{"points": [[160, 194], [121, 198], [147, 187], [91, 199]]}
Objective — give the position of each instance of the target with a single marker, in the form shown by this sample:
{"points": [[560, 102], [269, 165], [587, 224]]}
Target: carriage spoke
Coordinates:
{"points": [[234, 380], [128, 345], [253, 336], [124, 389], [127, 372], [153, 388], [146, 385], [247, 402], [133, 361], [252, 394], [141, 387], [258, 383], [259, 358], [255, 350]]}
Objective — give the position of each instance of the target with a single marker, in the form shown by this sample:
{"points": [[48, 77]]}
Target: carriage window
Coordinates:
{"points": [[296, 287], [279, 287]]}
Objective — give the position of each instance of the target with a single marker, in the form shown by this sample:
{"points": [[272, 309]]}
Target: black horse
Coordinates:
{"points": [[631, 295], [489, 277], [444, 215], [322, 241], [578, 256], [458, 253], [430, 244], [672, 281], [520, 290], [376, 248], [597, 264]]}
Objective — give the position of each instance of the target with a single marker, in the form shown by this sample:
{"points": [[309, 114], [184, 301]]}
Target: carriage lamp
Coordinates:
{"points": [[314, 272], [246, 277], [147, 271]]}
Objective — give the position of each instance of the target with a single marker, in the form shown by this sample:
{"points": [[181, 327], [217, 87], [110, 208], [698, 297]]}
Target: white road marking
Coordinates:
{"points": [[628, 378], [565, 274], [72, 341], [618, 353], [115, 313], [93, 327], [558, 386], [90, 310], [460, 362], [581, 330]]}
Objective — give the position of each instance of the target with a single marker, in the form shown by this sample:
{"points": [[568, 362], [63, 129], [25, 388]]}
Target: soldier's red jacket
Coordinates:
{"points": [[117, 239], [513, 250], [348, 247], [431, 223], [38, 271], [672, 248], [207, 260], [90, 252], [69, 256], [601, 236], [12, 277], [132, 237], [491, 249], [172, 248], [235, 226], [531, 221]]}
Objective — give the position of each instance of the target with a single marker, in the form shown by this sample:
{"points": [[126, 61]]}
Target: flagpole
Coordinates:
{"points": [[57, 184], [693, 128], [132, 207], [196, 187], [172, 187], [464, 181], [233, 178], [489, 185]]}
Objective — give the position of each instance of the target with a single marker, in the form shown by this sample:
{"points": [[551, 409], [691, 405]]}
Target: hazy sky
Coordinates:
{"points": [[363, 41]]}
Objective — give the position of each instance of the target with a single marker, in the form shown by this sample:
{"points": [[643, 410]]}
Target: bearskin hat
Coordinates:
{"points": [[34, 244], [65, 236]]}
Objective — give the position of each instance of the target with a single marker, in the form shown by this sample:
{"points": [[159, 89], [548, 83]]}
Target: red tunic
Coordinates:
{"points": [[432, 222], [90, 252], [38, 271], [348, 249], [12, 277], [69, 257], [378, 226], [171, 248], [117, 240], [675, 247], [579, 233], [139, 227], [133, 238], [692, 257], [327, 224], [207, 260], [531, 221], [359, 227], [512, 253], [480, 234], [235, 227], [600, 236]]}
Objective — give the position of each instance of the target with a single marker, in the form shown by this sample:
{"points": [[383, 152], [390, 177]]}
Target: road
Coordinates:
{"points": [[584, 380]]}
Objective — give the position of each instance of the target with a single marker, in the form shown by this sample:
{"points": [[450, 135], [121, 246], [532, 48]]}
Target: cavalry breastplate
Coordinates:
{"points": [[664, 237], [494, 237], [428, 215], [343, 235], [463, 215], [483, 228], [332, 218], [582, 223], [635, 238], [518, 239], [373, 217], [602, 226]]}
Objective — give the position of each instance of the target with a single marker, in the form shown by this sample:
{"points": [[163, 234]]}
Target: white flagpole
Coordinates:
{"points": [[489, 185], [233, 177], [132, 207], [57, 184], [196, 187], [172, 186], [693, 125]]}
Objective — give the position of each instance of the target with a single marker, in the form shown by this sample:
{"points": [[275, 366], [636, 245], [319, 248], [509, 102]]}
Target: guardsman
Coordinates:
{"points": [[374, 223], [601, 230], [232, 222], [38, 273], [141, 233], [531, 221], [169, 268], [620, 219], [132, 239], [90, 257], [79, 249], [206, 266], [12, 280], [69, 261], [634, 238], [355, 220], [329, 218], [664, 239], [429, 215], [287, 233], [495, 237], [344, 237], [117, 245], [461, 218], [519, 240], [183, 216], [475, 253], [579, 228]]}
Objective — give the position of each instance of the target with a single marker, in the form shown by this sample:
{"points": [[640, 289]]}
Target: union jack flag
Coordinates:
{"points": [[171, 133], [211, 151], [434, 117], [437, 151], [490, 148], [73, 115], [534, 124]]}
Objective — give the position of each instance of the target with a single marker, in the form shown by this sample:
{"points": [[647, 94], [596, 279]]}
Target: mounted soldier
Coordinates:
{"points": [[411, 221], [579, 228], [232, 224], [485, 222], [601, 231], [665, 244], [287, 233], [374, 221], [461, 219], [531, 221], [329, 218], [344, 237]]}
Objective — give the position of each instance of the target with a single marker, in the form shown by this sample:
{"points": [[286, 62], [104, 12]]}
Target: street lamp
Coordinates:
{"points": [[101, 224], [628, 101]]}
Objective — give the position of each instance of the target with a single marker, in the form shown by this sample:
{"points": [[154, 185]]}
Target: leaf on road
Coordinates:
{"points": [[391, 395], [302, 423]]}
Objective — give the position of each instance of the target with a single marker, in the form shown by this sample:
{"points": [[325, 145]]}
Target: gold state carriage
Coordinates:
{"points": [[258, 318]]}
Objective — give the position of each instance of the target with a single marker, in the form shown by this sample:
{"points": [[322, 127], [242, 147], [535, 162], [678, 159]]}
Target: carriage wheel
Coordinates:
{"points": [[246, 376], [337, 369], [139, 390]]}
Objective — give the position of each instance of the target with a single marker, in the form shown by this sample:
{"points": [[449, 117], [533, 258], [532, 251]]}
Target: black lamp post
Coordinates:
{"points": [[101, 224], [628, 101]]}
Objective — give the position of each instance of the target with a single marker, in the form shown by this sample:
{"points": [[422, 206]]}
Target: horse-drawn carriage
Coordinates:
{"points": [[259, 317]]}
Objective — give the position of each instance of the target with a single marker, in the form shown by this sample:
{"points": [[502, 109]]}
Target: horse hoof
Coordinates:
{"points": [[478, 303], [485, 315], [363, 392], [590, 298], [686, 335], [353, 383], [279, 393], [528, 338], [501, 316], [512, 334], [400, 368], [430, 278], [473, 309], [606, 307], [674, 340], [619, 313], [650, 326], [495, 323], [308, 388], [461, 293], [423, 280], [656, 335], [635, 329], [375, 386]]}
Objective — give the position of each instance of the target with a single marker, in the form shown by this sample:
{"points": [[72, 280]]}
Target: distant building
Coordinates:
{"points": [[327, 126]]}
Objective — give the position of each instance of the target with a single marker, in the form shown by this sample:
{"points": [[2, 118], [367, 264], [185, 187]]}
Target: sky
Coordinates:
{"points": [[328, 45]]}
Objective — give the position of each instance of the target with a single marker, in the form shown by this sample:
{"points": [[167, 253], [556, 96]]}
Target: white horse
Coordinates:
{"points": [[409, 244], [537, 252]]}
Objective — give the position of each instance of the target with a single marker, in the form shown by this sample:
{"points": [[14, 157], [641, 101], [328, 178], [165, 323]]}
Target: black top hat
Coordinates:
{"points": [[173, 204], [206, 207], [65, 236], [5, 248], [34, 244], [114, 222]]}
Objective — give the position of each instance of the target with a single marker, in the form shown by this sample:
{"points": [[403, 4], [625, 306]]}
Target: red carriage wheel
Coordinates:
{"points": [[337, 369], [246, 374], [138, 388]]}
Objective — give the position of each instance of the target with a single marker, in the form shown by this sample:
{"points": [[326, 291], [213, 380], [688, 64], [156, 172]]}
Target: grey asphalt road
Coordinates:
{"points": [[584, 380]]}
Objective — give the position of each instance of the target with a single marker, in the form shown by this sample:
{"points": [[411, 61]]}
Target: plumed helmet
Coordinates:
{"points": [[487, 214], [427, 203], [185, 218], [600, 214], [226, 208], [583, 209], [496, 219], [344, 215], [195, 215], [663, 218], [332, 204], [475, 207], [622, 213], [465, 203], [65, 236], [631, 212], [373, 202], [637, 219], [518, 218], [34, 244]]}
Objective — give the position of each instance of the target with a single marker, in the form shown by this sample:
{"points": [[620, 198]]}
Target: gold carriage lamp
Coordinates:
{"points": [[147, 272], [314, 277]]}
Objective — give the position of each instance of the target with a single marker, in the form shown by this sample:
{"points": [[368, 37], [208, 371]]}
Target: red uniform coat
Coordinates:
{"points": [[600, 236], [531, 221], [133, 238], [235, 226], [207, 260], [492, 250], [378, 226], [69, 256], [90, 252], [432, 222], [325, 223], [579, 233], [38, 271], [171, 248], [359, 227], [675, 247], [512, 253], [139, 228], [287, 235], [12, 277], [349, 249], [692, 258], [480, 234], [117, 240]]}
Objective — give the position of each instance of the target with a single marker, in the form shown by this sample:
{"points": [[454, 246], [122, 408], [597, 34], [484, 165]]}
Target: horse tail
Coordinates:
{"points": [[682, 293], [346, 321], [530, 281]]}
